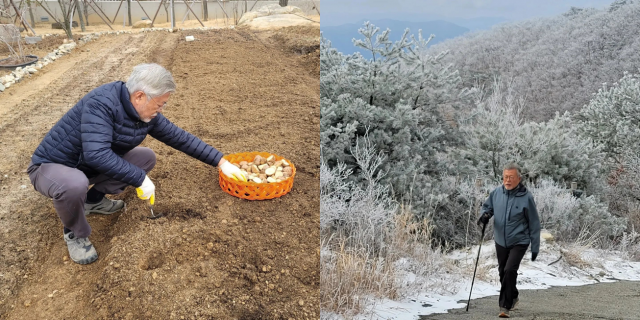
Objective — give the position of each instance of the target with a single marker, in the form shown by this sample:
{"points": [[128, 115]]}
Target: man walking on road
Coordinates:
{"points": [[96, 143], [515, 226]]}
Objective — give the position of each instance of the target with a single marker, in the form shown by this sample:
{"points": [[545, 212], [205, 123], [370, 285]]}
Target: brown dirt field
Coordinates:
{"points": [[306, 45], [50, 43], [213, 256]]}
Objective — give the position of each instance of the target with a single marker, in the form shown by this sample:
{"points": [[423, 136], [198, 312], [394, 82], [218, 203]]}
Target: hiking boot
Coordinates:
{"points": [[80, 249], [105, 206], [504, 313], [515, 304]]}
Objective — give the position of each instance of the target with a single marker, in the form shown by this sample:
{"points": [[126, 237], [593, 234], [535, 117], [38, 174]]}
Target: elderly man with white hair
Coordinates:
{"points": [[516, 225], [96, 143]]}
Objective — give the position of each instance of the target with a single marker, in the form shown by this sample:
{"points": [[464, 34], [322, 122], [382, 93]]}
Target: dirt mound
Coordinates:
{"points": [[212, 256], [280, 20], [301, 40], [273, 16]]}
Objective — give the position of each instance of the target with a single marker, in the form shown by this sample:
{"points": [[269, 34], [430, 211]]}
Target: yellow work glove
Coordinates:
{"points": [[231, 171], [147, 190]]}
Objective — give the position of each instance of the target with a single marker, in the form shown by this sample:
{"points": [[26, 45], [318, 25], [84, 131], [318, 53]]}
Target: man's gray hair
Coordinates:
{"points": [[513, 166], [152, 79]]}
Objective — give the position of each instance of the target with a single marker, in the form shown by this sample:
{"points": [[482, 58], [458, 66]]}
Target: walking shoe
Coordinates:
{"points": [[80, 249], [504, 313], [515, 303], [105, 206]]}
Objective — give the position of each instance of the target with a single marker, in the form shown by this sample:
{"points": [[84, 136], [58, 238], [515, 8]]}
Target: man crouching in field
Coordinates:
{"points": [[516, 225], [96, 143]]}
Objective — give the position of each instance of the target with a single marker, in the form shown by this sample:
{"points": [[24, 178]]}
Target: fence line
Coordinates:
{"points": [[216, 9]]}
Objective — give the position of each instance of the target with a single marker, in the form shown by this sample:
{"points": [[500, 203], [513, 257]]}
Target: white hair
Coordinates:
{"points": [[152, 79], [513, 166]]}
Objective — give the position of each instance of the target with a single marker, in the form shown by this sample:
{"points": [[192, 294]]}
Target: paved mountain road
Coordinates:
{"points": [[618, 300]]}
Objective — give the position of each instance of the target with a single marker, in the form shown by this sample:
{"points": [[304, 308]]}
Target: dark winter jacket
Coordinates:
{"points": [[103, 126], [515, 217]]}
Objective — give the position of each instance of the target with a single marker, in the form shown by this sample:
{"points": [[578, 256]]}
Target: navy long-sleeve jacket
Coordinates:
{"points": [[103, 126]]}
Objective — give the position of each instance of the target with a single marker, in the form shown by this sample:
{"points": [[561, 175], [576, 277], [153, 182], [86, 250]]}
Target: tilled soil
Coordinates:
{"points": [[212, 256]]}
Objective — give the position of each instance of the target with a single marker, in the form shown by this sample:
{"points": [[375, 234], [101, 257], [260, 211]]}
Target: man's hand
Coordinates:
{"points": [[231, 171], [484, 218], [147, 190], [534, 255]]}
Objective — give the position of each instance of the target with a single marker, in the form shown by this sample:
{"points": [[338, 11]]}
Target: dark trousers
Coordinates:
{"points": [[508, 264], [68, 187]]}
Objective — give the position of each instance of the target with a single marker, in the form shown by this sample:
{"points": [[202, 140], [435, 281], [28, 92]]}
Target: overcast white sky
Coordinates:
{"points": [[336, 12]]}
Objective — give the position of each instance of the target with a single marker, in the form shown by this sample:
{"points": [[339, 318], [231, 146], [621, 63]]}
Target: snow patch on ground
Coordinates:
{"points": [[555, 266]]}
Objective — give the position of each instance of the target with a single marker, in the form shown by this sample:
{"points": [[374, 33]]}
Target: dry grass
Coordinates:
{"points": [[573, 257], [353, 275], [574, 250], [482, 272]]}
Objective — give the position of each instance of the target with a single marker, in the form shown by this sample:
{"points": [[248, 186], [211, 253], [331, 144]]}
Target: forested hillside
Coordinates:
{"points": [[556, 64]]}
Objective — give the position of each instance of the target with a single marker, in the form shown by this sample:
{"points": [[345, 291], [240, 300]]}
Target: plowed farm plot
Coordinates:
{"points": [[212, 256]]}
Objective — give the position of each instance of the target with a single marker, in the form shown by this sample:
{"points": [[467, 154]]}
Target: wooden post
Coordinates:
{"points": [[205, 10], [48, 12], [104, 14], [117, 11], [155, 15], [574, 185], [315, 7], [221, 7], [166, 10], [129, 11], [105, 21], [194, 14], [254, 4], [141, 7], [18, 14], [478, 183], [173, 15], [186, 14], [25, 22], [22, 18]]}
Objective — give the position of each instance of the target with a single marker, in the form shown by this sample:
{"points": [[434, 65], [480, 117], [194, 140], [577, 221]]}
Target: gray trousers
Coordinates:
{"points": [[68, 187]]}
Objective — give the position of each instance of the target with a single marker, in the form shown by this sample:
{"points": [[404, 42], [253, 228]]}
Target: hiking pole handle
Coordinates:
{"points": [[484, 226]]}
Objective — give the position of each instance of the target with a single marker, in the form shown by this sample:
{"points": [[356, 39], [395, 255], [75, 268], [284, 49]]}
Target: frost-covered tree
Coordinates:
{"points": [[407, 103], [618, 4], [612, 117], [491, 132], [624, 192], [359, 213], [401, 98], [569, 217], [555, 63], [494, 133]]}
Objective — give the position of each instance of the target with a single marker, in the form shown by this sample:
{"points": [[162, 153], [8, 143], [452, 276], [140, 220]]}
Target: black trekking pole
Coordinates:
{"points": [[476, 268]]}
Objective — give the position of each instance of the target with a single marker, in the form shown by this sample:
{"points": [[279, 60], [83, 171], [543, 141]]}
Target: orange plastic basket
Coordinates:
{"points": [[255, 191]]}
